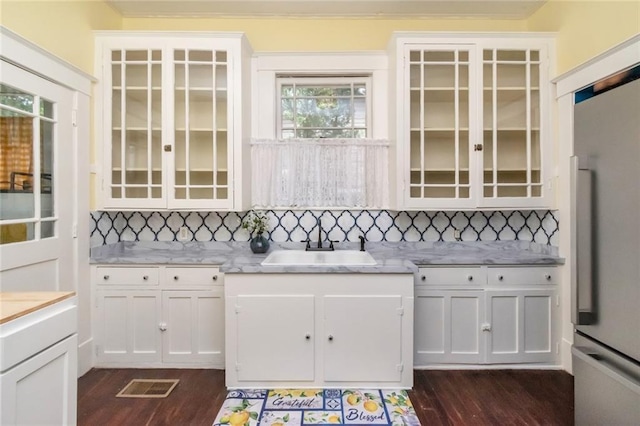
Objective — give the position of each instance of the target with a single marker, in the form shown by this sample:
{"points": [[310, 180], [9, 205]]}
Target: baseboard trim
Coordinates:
{"points": [[85, 357], [489, 367]]}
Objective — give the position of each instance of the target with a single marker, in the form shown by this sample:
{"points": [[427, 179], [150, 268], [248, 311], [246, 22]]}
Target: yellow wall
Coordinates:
{"points": [[320, 34], [586, 28], [61, 27]]}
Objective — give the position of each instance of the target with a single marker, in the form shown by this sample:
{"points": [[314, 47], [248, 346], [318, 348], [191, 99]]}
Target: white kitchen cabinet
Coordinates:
{"points": [[486, 315], [275, 337], [472, 120], [173, 120], [448, 326], [363, 338], [128, 326], [520, 324], [173, 317], [319, 330], [39, 366]]}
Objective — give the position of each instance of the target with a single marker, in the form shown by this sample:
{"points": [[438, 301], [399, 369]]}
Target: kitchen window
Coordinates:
{"points": [[323, 107]]}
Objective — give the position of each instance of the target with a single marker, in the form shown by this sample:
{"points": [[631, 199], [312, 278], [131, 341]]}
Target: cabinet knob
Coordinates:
{"points": [[307, 336], [477, 147], [547, 277], [423, 278], [469, 277], [486, 327], [167, 148], [146, 277], [175, 278], [162, 326], [215, 278], [500, 277], [331, 338], [106, 277]]}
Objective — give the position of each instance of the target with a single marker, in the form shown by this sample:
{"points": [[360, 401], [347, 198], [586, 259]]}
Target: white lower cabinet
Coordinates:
{"points": [[172, 318], [328, 330], [498, 316], [39, 366], [274, 337], [448, 326], [520, 326]]}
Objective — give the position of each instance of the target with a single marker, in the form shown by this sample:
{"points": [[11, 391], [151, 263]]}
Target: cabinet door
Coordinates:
{"points": [[440, 102], [520, 326], [127, 323], [362, 338], [275, 338], [447, 326], [202, 129], [514, 99], [42, 390], [134, 126], [193, 327]]}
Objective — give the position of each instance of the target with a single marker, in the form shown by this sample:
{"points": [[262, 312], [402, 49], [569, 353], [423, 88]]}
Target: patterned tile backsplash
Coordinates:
{"points": [[346, 225]]}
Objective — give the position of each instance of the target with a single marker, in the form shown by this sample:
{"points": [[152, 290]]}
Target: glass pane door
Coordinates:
{"points": [[511, 103], [201, 125], [136, 119], [439, 108]]}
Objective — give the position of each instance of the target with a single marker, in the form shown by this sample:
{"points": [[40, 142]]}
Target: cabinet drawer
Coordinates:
{"points": [[126, 276], [519, 276], [193, 276], [451, 277]]}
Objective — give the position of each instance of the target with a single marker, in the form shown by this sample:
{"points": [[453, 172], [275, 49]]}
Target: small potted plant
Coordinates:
{"points": [[256, 223]]}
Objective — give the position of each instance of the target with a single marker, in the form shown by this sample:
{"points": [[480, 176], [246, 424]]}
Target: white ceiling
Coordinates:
{"points": [[500, 9]]}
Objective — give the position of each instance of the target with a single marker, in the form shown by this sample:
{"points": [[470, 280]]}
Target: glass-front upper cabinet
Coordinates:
{"points": [[472, 121], [174, 115], [512, 158], [440, 115]]}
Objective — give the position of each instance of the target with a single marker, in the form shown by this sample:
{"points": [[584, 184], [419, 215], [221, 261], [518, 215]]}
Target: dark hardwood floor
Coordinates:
{"points": [[460, 397]]}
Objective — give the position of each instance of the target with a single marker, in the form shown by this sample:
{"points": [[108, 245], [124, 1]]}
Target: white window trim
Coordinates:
{"points": [[267, 66]]}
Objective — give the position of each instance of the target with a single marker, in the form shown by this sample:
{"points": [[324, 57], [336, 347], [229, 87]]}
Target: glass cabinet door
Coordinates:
{"points": [[136, 125], [511, 127], [439, 121], [201, 129]]}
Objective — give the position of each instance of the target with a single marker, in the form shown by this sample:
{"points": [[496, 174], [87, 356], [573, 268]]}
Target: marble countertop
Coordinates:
{"points": [[391, 257]]}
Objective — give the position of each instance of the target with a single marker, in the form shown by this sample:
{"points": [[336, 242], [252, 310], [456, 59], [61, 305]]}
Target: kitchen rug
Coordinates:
{"points": [[293, 407]]}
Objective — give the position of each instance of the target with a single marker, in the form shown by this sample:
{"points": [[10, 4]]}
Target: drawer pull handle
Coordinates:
{"points": [[500, 277], [469, 277], [106, 277], [331, 338], [175, 278], [423, 278], [146, 277], [548, 277], [215, 278], [307, 336]]}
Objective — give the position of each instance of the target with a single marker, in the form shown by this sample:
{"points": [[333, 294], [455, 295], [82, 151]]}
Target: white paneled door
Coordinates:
{"points": [[36, 180]]}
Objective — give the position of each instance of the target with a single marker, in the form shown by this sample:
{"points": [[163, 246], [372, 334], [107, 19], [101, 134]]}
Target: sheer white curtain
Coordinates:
{"points": [[320, 173]]}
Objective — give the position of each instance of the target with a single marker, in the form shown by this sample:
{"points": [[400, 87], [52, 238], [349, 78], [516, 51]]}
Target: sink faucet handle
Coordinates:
{"points": [[331, 244], [308, 241], [362, 240]]}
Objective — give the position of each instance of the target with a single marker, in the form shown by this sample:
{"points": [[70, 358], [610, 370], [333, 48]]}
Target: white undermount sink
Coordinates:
{"points": [[319, 258]]}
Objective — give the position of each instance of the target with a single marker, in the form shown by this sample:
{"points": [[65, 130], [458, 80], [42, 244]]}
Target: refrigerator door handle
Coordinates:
{"points": [[583, 310], [600, 363]]}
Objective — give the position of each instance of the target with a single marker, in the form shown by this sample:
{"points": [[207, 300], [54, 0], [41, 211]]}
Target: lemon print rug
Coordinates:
{"points": [[293, 407]]}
